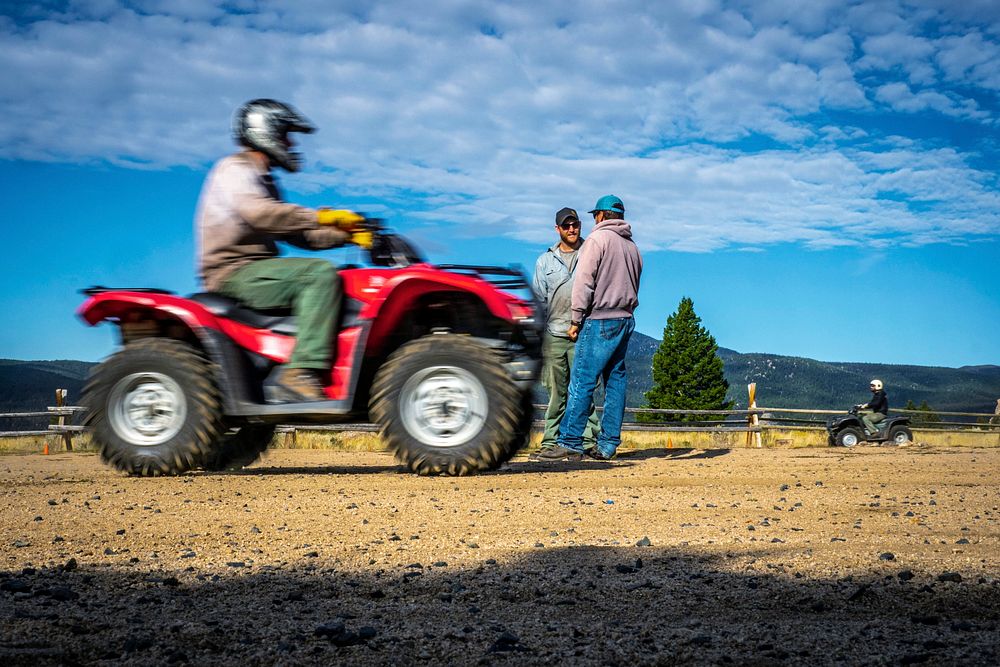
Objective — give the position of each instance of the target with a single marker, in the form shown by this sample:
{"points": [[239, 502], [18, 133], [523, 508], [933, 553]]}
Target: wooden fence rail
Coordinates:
{"points": [[754, 421]]}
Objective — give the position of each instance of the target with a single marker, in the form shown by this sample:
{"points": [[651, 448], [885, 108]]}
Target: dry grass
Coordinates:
{"points": [[343, 441], [35, 444]]}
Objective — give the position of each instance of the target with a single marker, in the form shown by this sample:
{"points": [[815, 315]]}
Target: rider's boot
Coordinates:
{"points": [[294, 385]]}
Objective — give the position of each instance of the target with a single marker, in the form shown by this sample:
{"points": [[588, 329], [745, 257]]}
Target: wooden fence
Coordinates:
{"points": [[751, 421]]}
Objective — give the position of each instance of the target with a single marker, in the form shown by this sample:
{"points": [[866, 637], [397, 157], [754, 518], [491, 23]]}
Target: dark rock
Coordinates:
{"points": [[905, 575], [70, 565], [928, 619], [624, 569], [63, 594], [440, 563], [312, 554], [507, 641], [887, 555], [337, 634], [134, 644], [171, 581], [859, 593], [366, 632], [177, 656], [962, 541], [784, 487], [330, 629], [120, 531], [52, 502], [954, 577], [962, 626], [236, 563], [15, 586], [914, 658]]}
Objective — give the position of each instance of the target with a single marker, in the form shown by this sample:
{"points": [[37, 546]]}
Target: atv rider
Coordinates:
{"points": [[239, 219], [875, 410]]}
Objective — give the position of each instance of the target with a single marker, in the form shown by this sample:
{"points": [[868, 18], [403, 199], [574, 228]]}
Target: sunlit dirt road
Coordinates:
{"points": [[809, 556]]}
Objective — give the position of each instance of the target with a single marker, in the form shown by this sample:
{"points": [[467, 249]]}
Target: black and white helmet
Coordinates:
{"points": [[264, 125]]}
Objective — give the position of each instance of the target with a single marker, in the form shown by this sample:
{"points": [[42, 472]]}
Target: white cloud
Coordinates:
{"points": [[460, 109]]}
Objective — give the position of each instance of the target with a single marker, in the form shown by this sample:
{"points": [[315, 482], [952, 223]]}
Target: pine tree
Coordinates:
{"points": [[929, 416], [687, 370]]}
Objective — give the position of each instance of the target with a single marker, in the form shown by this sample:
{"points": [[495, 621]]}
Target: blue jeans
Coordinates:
{"points": [[600, 353]]}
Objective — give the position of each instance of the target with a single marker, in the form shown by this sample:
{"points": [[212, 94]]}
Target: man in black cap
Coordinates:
{"points": [[553, 284]]}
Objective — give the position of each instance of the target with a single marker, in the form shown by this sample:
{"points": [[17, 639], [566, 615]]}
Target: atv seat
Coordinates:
{"points": [[278, 320]]}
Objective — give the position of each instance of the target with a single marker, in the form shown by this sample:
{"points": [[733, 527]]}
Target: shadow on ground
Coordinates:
{"points": [[578, 605]]}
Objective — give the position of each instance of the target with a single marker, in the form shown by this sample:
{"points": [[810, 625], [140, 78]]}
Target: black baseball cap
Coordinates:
{"points": [[565, 214]]}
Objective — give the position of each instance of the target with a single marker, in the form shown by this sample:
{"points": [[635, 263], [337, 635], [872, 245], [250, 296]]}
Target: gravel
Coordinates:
{"points": [[309, 557]]}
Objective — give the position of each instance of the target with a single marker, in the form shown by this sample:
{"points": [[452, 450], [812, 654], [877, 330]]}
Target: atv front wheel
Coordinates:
{"points": [[154, 407], [446, 405], [848, 437]]}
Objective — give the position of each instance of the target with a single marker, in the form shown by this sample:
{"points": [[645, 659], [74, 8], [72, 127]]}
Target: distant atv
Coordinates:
{"points": [[442, 358], [848, 430]]}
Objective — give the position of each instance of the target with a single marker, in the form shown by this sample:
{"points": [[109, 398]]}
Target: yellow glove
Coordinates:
{"points": [[362, 239], [344, 219]]}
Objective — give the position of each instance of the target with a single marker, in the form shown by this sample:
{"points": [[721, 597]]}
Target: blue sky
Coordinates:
{"points": [[821, 178]]}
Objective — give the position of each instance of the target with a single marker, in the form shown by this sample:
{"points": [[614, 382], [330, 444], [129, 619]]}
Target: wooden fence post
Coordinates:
{"points": [[753, 421], [67, 438]]}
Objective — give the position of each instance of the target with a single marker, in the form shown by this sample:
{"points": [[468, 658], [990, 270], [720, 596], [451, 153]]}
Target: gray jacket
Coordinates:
{"points": [[607, 275], [553, 285], [241, 216]]}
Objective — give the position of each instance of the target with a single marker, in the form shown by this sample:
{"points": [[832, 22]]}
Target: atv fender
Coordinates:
{"points": [[212, 335]]}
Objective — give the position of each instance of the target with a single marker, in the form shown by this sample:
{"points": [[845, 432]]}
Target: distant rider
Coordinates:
{"points": [[875, 410], [240, 219]]}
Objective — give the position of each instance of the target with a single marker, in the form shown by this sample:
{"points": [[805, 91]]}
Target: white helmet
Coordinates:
{"points": [[876, 385]]}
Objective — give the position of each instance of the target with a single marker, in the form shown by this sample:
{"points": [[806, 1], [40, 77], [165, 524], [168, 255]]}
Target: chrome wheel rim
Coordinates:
{"points": [[147, 409], [849, 440], [443, 406]]}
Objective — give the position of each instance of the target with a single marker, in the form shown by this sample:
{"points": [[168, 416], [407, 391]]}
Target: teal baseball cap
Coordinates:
{"points": [[609, 203]]}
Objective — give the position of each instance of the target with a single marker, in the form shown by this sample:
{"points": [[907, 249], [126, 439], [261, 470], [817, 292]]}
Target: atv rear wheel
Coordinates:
{"points": [[445, 405], [154, 407], [900, 435], [848, 436], [239, 447]]}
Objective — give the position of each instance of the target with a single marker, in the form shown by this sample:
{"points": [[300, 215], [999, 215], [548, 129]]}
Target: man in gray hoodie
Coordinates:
{"points": [[605, 294], [553, 285]]}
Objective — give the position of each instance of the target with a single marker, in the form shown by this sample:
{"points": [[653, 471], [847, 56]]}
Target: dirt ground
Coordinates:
{"points": [[669, 556]]}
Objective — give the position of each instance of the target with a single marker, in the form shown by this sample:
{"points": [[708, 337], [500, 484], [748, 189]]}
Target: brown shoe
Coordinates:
{"points": [[296, 385]]}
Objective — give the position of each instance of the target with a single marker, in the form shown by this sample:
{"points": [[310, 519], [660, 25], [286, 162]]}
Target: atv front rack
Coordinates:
{"points": [[499, 276]]}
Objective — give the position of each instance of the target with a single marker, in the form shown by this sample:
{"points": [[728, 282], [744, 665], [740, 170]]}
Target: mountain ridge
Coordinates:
{"points": [[782, 381]]}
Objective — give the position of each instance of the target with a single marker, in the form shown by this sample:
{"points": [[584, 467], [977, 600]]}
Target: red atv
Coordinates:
{"points": [[442, 358]]}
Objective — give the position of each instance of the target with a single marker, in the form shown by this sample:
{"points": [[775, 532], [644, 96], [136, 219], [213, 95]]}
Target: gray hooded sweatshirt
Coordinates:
{"points": [[606, 280]]}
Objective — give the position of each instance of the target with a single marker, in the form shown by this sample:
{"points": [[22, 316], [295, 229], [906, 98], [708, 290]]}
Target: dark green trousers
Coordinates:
{"points": [[558, 353], [310, 287]]}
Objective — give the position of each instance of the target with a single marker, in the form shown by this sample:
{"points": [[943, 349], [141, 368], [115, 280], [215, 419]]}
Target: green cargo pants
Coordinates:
{"points": [[310, 287], [871, 420], [558, 354]]}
